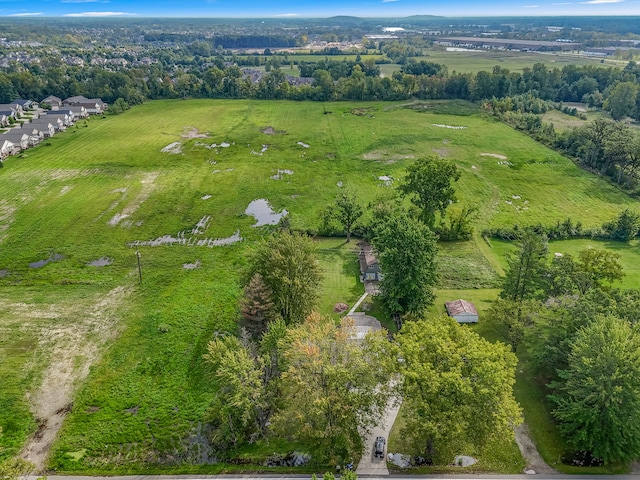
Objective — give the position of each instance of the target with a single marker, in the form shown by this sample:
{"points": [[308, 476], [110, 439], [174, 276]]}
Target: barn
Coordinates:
{"points": [[462, 311]]}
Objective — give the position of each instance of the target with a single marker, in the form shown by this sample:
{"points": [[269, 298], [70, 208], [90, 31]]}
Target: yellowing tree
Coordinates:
{"points": [[335, 387]]}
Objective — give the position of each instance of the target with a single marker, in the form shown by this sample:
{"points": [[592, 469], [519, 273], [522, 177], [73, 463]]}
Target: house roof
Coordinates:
{"points": [[460, 307], [52, 98], [367, 258]]}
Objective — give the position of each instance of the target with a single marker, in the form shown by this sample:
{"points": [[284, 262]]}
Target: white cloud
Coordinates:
{"points": [[30, 14], [288, 15], [99, 14], [599, 2]]}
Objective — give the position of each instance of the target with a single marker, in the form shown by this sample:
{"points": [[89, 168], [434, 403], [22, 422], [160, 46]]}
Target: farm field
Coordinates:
{"points": [[91, 195], [477, 60]]}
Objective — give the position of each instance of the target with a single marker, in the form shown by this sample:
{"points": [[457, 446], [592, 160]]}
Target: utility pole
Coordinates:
{"points": [[139, 267]]}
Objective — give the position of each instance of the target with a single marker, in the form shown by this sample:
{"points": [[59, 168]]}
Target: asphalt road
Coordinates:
{"points": [[371, 477]]}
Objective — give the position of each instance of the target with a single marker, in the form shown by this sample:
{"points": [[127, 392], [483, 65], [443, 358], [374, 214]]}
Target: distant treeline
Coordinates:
{"points": [[614, 89]]}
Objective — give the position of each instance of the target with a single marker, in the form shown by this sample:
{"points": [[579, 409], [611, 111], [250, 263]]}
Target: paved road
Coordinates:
{"points": [[372, 477], [378, 466]]}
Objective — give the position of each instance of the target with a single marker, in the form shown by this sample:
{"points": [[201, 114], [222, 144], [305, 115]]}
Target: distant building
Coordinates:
{"points": [[462, 311]]}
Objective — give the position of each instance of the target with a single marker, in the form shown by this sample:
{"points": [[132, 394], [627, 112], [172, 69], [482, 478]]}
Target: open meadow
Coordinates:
{"points": [[82, 337]]}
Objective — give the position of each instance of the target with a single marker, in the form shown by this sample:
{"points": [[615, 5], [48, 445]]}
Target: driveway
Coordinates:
{"points": [[378, 466]]}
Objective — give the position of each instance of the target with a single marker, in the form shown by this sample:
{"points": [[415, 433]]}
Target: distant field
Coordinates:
{"points": [[91, 193], [473, 62]]}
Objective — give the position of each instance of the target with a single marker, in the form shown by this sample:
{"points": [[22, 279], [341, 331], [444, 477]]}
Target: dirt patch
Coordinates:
{"points": [[494, 155], [192, 132], [148, 184], [74, 348], [443, 152], [386, 157], [272, 131], [530, 452], [174, 148], [363, 112]]}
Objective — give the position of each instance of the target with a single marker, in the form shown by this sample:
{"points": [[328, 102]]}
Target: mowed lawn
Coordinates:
{"points": [[95, 192]]}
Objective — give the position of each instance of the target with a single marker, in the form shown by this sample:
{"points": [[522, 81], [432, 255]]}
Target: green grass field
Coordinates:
{"points": [[93, 192], [477, 60]]}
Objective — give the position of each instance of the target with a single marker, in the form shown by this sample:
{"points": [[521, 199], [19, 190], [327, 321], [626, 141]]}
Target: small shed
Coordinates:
{"points": [[462, 311], [369, 266]]}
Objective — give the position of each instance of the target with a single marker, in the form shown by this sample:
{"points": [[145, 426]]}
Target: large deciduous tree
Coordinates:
{"points": [[598, 396], [429, 186], [525, 271], [335, 387], [345, 211], [288, 265], [247, 379], [406, 249], [457, 389]]}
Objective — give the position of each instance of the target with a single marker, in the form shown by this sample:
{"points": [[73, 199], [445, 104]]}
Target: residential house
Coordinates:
{"points": [[26, 104], [92, 105], [370, 270], [4, 120], [35, 134], [16, 109], [6, 148], [20, 140], [66, 119], [54, 101], [462, 311], [47, 128], [78, 111]]}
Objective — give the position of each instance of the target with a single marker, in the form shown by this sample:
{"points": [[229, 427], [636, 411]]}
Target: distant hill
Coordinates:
{"points": [[345, 20]]}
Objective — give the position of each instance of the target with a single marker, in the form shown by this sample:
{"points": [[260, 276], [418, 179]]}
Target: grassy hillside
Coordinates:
{"points": [[95, 192]]}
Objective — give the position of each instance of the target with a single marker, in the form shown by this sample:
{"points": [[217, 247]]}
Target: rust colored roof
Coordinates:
{"points": [[460, 307]]}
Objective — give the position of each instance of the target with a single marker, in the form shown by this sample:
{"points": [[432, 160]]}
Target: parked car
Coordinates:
{"points": [[378, 447]]}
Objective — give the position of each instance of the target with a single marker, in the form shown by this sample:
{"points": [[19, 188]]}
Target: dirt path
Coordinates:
{"points": [[74, 348], [530, 452]]}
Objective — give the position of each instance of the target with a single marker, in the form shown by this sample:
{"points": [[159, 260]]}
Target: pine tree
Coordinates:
{"points": [[257, 308]]}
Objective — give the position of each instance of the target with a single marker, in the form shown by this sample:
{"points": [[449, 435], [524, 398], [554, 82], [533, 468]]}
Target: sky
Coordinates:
{"points": [[313, 8]]}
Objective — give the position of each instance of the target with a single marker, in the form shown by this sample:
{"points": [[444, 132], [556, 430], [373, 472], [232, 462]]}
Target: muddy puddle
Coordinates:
{"points": [[41, 263], [101, 262], [281, 173], [174, 148], [182, 239], [263, 213], [452, 127]]}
